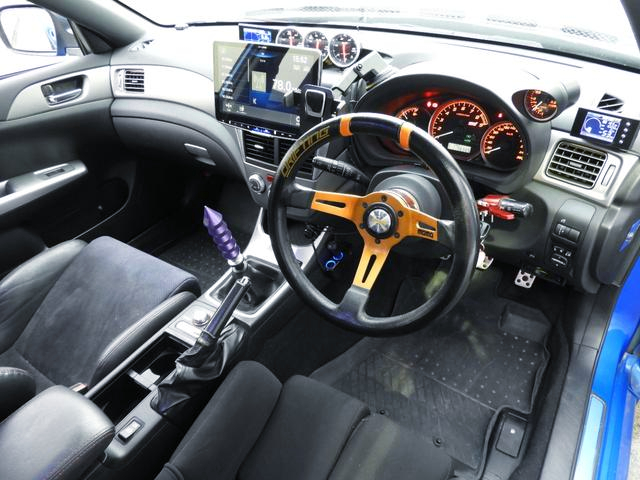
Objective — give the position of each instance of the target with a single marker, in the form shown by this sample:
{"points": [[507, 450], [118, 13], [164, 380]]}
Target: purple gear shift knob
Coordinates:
{"points": [[222, 236]]}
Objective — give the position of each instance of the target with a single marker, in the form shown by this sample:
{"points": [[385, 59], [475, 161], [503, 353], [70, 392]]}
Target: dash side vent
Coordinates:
{"points": [[576, 164], [134, 80], [610, 103]]}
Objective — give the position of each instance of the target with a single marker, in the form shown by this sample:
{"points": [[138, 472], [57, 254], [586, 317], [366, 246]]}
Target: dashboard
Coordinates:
{"points": [[557, 132]]}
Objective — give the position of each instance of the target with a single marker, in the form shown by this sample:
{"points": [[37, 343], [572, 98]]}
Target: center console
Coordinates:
{"points": [[142, 435]]}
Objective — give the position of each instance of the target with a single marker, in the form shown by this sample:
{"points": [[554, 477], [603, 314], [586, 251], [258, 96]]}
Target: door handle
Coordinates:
{"points": [[58, 98]]}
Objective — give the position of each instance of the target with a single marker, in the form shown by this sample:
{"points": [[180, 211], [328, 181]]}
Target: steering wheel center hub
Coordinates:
{"points": [[380, 220]]}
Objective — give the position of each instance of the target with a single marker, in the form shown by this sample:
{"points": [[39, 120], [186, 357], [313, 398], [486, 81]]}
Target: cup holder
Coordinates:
{"points": [[119, 397]]}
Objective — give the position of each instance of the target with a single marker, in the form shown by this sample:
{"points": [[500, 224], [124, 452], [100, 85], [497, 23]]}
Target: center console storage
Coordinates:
{"points": [[144, 375]]}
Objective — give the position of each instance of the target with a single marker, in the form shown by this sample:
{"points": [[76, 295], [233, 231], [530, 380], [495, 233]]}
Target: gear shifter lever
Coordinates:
{"points": [[263, 281]]}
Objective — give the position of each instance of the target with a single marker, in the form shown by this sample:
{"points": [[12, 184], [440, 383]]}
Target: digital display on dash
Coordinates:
{"points": [[251, 81], [601, 127], [456, 147], [261, 35]]}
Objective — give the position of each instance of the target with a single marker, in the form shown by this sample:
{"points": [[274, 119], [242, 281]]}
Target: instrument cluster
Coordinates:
{"points": [[471, 132]]}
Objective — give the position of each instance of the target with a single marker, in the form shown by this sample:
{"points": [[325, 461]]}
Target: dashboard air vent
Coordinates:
{"points": [[611, 103], [259, 147], [576, 164], [134, 80], [261, 150]]}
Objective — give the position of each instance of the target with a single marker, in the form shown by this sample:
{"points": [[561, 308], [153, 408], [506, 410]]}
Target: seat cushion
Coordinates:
{"points": [[228, 427], [105, 290], [254, 428], [305, 434]]}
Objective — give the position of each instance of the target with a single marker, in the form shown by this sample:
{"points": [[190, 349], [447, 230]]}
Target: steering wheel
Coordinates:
{"points": [[383, 219]]}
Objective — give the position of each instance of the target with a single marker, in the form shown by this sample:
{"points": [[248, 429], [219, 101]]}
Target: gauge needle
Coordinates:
{"points": [[344, 50], [443, 134], [492, 150]]}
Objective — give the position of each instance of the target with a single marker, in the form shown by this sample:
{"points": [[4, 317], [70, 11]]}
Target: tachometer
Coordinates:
{"points": [[343, 50], [289, 36], [416, 115], [540, 105], [502, 146], [319, 41], [458, 125]]}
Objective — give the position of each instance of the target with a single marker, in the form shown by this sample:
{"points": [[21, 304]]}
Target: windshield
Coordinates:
{"points": [[592, 28]]}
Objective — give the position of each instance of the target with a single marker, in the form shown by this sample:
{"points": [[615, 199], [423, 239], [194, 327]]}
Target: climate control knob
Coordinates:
{"points": [[257, 183]]}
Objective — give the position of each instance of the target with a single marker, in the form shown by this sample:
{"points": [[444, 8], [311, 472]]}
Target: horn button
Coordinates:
{"points": [[380, 220]]}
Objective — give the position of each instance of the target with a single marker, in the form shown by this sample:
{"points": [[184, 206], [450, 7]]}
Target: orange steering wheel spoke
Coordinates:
{"points": [[337, 204], [371, 263]]}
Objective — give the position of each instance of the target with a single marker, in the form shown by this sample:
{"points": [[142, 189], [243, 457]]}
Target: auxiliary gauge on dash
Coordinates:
{"points": [[289, 36], [343, 50], [318, 40]]}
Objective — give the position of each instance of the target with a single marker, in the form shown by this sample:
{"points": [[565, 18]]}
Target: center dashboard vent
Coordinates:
{"points": [[266, 151], [610, 103], [576, 164], [133, 80]]}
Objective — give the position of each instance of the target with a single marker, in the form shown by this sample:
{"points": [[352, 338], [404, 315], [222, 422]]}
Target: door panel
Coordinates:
{"points": [[63, 169]]}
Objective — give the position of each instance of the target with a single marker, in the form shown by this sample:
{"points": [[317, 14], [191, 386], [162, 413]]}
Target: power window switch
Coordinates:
{"points": [[559, 260], [129, 430]]}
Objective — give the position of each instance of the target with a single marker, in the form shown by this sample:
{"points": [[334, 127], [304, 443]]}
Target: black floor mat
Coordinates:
{"points": [[449, 380], [196, 252], [198, 255]]}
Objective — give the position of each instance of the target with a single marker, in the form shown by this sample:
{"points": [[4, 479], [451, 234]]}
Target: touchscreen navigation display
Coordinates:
{"points": [[251, 80]]}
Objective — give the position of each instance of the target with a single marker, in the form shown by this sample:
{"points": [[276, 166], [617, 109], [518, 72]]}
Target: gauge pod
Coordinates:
{"points": [[343, 50], [547, 101], [540, 105]]}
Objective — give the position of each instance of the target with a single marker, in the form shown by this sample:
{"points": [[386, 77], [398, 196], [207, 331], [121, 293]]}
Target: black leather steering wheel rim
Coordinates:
{"points": [[350, 313]]}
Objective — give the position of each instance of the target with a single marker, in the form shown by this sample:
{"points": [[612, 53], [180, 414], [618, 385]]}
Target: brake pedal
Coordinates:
{"points": [[524, 279], [484, 261]]}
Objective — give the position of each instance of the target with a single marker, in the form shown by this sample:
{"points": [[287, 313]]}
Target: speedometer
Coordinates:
{"points": [[458, 125]]}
